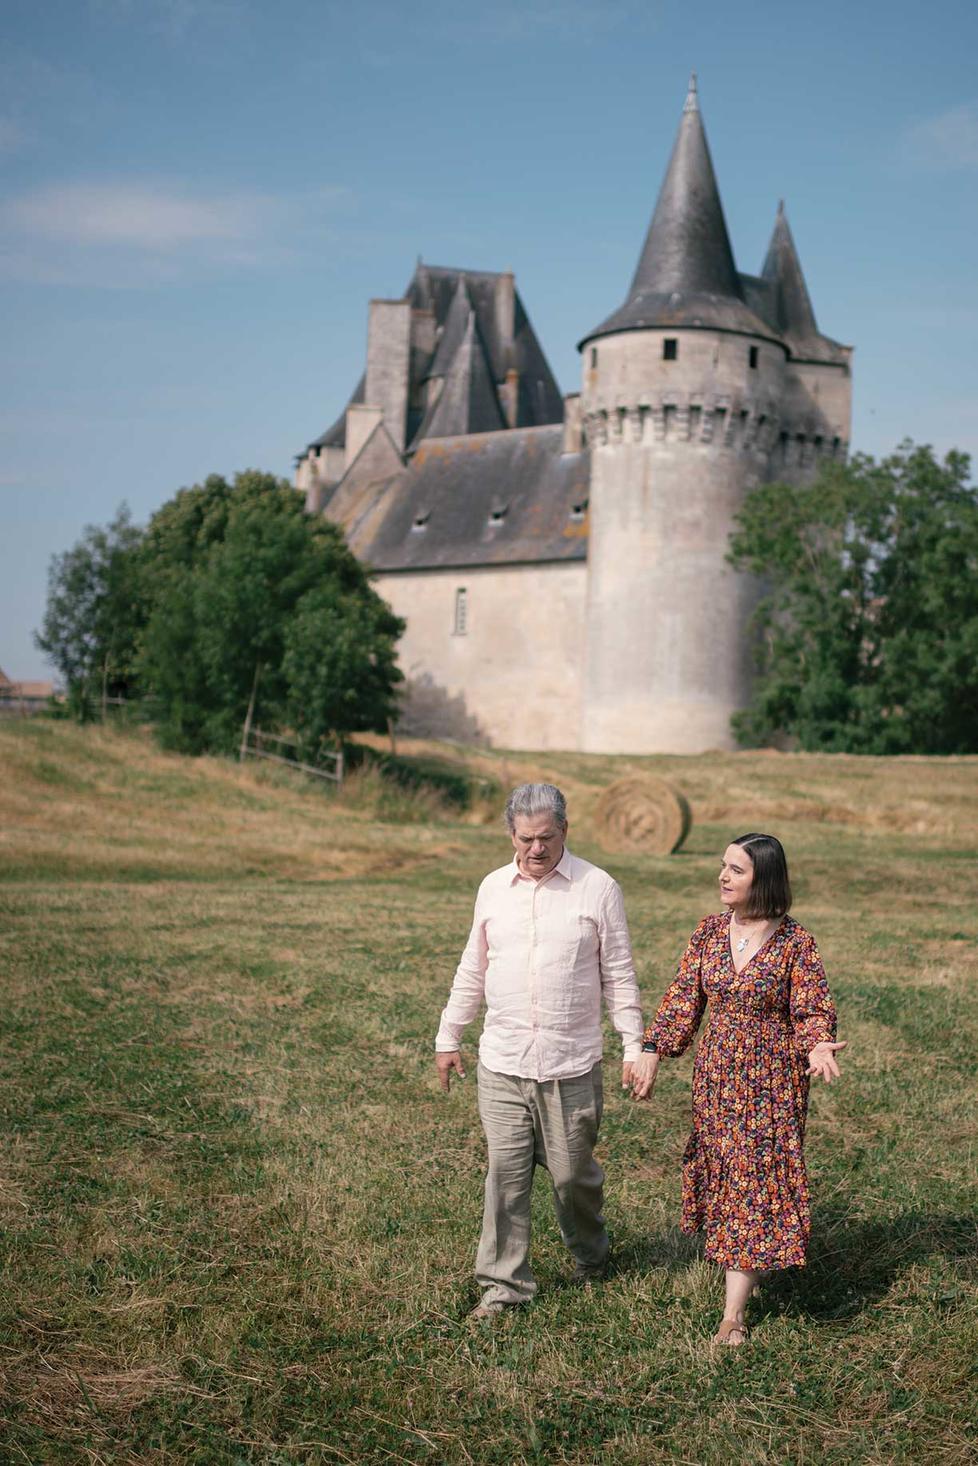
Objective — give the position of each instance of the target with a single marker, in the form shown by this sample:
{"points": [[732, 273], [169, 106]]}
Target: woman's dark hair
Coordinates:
{"points": [[770, 892]]}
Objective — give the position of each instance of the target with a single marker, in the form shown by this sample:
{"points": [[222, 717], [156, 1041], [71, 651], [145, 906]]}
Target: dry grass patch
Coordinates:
{"points": [[239, 1217]]}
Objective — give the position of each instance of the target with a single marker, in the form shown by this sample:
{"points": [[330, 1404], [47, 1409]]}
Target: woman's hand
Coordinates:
{"points": [[821, 1060], [644, 1071]]}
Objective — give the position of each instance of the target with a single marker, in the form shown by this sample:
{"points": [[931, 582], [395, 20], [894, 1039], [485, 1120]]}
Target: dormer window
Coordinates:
{"points": [[579, 511], [498, 513], [670, 349], [421, 521]]}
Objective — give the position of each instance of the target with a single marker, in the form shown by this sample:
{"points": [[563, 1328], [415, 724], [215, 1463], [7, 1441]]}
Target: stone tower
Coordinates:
{"points": [[703, 384]]}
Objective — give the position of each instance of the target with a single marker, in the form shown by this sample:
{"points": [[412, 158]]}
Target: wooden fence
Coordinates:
{"points": [[255, 745]]}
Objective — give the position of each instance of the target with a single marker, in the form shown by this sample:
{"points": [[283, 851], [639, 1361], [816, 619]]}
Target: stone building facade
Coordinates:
{"points": [[561, 564]]}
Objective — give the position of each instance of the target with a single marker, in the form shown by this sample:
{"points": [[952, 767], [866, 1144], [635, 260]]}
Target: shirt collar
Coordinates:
{"points": [[562, 868]]}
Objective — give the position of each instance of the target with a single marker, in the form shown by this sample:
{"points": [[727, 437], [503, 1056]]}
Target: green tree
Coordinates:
{"points": [[95, 612], [867, 628], [340, 665], [234, 570]]}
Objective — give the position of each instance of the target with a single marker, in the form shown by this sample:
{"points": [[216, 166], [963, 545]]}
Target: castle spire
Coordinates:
{"points": [[686, 274], [468, 402], [687, 247], [792, 307], [454, 329], [782, 269]]}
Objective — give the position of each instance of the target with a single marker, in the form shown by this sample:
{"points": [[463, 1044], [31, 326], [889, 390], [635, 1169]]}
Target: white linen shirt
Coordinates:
{"points": [[541, 953]]}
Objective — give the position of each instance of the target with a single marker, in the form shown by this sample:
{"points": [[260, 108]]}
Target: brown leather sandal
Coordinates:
{"points": [[730, 1326]]}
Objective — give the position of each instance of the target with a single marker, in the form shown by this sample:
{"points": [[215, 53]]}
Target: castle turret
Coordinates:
{"points": [[817, 405], [682, 394]]}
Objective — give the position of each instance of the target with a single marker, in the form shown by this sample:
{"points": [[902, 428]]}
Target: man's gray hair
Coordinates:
{"points": [[534, 799]]}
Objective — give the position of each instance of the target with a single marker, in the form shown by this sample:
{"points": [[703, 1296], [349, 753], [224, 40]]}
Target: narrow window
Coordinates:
{"points": [[461, 611], [594, 356], [670, 349], [753, 358]]}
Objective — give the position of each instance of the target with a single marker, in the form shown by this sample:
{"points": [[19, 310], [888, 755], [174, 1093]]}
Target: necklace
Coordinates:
{"points": [[743, 942]]}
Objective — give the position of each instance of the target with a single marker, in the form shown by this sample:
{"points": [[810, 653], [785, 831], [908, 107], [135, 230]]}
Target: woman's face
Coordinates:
{"points": [[736, 876]]}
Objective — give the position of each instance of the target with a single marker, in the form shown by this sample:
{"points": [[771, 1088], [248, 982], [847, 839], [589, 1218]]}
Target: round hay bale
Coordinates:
{"points": [[642, 814]]}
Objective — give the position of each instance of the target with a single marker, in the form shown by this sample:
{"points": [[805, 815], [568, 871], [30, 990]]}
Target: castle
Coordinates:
{"points": [[561, 564]]}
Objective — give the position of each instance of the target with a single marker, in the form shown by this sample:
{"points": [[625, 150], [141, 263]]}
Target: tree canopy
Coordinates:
{"points": [[95, 610], [240, 591], [867, 627]]}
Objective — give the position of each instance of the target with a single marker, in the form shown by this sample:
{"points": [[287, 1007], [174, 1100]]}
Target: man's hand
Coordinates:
{"points": [[644, 1071], [445, 1064], [821, 1060]]}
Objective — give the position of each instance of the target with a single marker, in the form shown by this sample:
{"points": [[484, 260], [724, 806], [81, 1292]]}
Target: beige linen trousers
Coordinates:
{"points": [[528, 1123]]}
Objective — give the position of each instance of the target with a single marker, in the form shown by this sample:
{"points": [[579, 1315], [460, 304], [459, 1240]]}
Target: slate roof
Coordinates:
{"points": [[789, 301], [335, 434], [452, 295], [686, 274], [467, 402], [500, 498]]}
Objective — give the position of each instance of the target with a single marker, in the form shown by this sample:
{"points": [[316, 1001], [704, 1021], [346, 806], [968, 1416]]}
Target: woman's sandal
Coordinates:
{"points": [[730, 1326]]}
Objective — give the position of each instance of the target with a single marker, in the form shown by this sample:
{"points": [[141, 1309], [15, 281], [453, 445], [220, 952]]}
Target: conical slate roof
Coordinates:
{"points": [[790, 302], [453, 332], [686, 274], [467, 402], [451, 296]]}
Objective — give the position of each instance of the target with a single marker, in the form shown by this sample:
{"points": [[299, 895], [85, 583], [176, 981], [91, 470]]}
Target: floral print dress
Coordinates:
{"points": [[744, 1179]]}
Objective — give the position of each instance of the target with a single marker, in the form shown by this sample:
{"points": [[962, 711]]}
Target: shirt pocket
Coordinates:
{"points": [[572, 952]]}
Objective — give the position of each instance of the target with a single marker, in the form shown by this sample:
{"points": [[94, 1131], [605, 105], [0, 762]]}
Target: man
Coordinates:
{"points": [[548, 939]]}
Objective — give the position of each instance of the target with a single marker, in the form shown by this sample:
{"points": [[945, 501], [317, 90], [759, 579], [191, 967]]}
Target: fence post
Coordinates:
{"points": [[248, 716]]}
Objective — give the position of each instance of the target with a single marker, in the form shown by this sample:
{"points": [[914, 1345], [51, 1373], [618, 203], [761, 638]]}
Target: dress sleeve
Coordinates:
{"points": [[674, 1027], [812, 1010]]}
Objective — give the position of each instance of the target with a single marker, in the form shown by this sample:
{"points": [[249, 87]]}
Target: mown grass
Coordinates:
{"points": [[239, 1217]]}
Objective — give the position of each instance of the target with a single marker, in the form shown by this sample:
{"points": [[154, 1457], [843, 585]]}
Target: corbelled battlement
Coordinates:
{"points": [[721, 423]]}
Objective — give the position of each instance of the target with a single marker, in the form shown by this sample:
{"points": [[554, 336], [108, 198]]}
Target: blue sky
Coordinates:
{"points": [[199, 197]]}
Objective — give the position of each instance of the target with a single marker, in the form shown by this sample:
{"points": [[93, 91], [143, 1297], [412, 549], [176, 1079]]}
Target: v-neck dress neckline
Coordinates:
{"points": [[738, 971]]}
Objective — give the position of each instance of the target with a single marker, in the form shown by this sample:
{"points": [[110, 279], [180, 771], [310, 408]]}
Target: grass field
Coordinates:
{"points": [[239, 1218]]}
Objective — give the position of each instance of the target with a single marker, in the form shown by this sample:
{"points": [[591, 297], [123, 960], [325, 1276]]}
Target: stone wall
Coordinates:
{"points": [[675, 444], [511, 674]]}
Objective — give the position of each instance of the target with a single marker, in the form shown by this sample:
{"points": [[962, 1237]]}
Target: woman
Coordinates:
{"points": [[772, 1026]]}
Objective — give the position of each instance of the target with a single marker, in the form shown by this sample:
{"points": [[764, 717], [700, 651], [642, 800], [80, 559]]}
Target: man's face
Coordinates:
{"points": [[538, 840]]}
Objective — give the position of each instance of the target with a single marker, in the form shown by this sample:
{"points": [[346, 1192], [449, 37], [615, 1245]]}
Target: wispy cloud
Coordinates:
{"points": [[946, 142], [152, 232], [174, 20], [134, 214]]}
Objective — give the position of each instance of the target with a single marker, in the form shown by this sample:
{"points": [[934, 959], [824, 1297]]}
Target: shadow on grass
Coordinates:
{"points": [[852, 1263]]}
